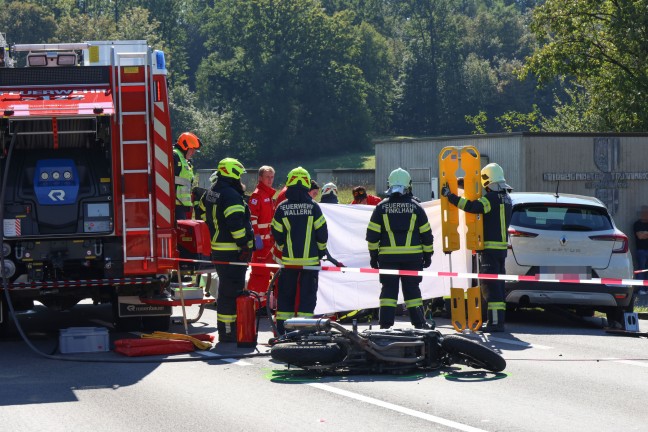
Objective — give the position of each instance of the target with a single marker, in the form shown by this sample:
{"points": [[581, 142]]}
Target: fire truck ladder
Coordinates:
{"points": [[133, 234]]}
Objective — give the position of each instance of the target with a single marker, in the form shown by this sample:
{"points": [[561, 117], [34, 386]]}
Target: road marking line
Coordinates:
{"points": [[396, 408], [519, 343], [633, 363], [224, 358], [629, 362], [485, 338]]}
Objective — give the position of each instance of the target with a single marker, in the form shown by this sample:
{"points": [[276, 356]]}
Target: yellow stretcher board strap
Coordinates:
{"points": [[471, 165], [474, 307], [448, 166], [458, 309]]}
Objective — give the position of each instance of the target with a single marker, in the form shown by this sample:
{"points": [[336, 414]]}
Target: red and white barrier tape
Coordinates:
{"points": [[563, 278]]}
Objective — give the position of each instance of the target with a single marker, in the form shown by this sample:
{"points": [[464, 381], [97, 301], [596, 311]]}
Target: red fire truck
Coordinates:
{"points": [[87, 179]]}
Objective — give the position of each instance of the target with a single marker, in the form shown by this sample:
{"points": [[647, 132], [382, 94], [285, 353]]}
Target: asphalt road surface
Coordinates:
{"points": [[561, 375]]}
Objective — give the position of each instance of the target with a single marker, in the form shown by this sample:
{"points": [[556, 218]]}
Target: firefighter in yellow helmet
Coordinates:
{"points": [[183, 150], [496, 207], [400, 238], [300, 233], [232, 240]]}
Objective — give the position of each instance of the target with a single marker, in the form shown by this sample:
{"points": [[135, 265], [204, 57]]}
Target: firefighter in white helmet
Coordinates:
{"points": [[496, 207], [399, 238], [329, 194]]}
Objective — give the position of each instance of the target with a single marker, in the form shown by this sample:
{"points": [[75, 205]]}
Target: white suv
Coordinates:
{"points": [[562, 237]]}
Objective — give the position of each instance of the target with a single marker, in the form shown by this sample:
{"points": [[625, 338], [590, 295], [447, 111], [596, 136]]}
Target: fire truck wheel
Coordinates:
{"points": [[153, 323], [473, 354], [308, 355]]}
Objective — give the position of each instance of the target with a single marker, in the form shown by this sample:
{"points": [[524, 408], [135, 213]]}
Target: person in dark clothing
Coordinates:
{"points": [[314, 189], [329, 194], [300, 233], [232, 240], [640, 229], [496, 207], [399, 237]]}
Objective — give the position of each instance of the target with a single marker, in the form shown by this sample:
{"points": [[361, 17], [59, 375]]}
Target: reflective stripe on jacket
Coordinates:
{"points": [[228, 218], [183, 179], [299, 230], [399, 229], [262, 209], [496, 208]]}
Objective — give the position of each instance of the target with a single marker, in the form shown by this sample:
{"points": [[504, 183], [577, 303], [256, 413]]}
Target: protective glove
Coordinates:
{"points": [[245, 255], [445, 190], [427, 260], [258, 242], [373, 259]]}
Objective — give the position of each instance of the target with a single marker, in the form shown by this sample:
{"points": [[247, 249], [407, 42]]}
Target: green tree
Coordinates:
{"points": [[287, 77], [601, 46], [25, 22]]}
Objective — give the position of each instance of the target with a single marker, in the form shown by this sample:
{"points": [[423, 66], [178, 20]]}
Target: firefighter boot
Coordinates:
{"points": [[495, 321], [386, 316], [281, 329], [417, 318], [226, 332]]}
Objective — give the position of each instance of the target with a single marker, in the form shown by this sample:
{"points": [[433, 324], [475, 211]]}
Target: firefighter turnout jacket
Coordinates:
{"points": [[299, 229], [496, 208], [399, 230], [228, 217], [183, 178]]}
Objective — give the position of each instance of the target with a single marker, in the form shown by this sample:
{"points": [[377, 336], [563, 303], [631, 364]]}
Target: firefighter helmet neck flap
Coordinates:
{"points": [[399, 181]]}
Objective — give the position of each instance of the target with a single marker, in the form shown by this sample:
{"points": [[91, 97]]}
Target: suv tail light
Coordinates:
{"points": [[517, 233], [620, 242]]}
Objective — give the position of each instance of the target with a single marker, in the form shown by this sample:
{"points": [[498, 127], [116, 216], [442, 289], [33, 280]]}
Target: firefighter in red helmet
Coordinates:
{"points": [[183, 150]]}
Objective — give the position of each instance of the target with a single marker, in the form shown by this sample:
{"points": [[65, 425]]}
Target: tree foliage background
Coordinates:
{"points": [[264, 80]]}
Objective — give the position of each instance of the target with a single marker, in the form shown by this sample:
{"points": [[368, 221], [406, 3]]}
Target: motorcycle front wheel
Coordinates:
{"points": [[308, 354], [473, 354]]}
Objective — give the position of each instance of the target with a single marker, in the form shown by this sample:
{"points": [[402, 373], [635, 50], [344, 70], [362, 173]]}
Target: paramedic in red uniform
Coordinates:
{"points": [[262, 209]]}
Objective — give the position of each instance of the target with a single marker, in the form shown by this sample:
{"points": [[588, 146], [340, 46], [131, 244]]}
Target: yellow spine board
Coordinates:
{"points": [[458, 306], [471, 164], [474, 306], [448, 166]]}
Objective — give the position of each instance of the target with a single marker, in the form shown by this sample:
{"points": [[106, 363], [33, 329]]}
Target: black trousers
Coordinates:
{"points": [[493, 262], [287, 300], [231, 282], [411, 292]]}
